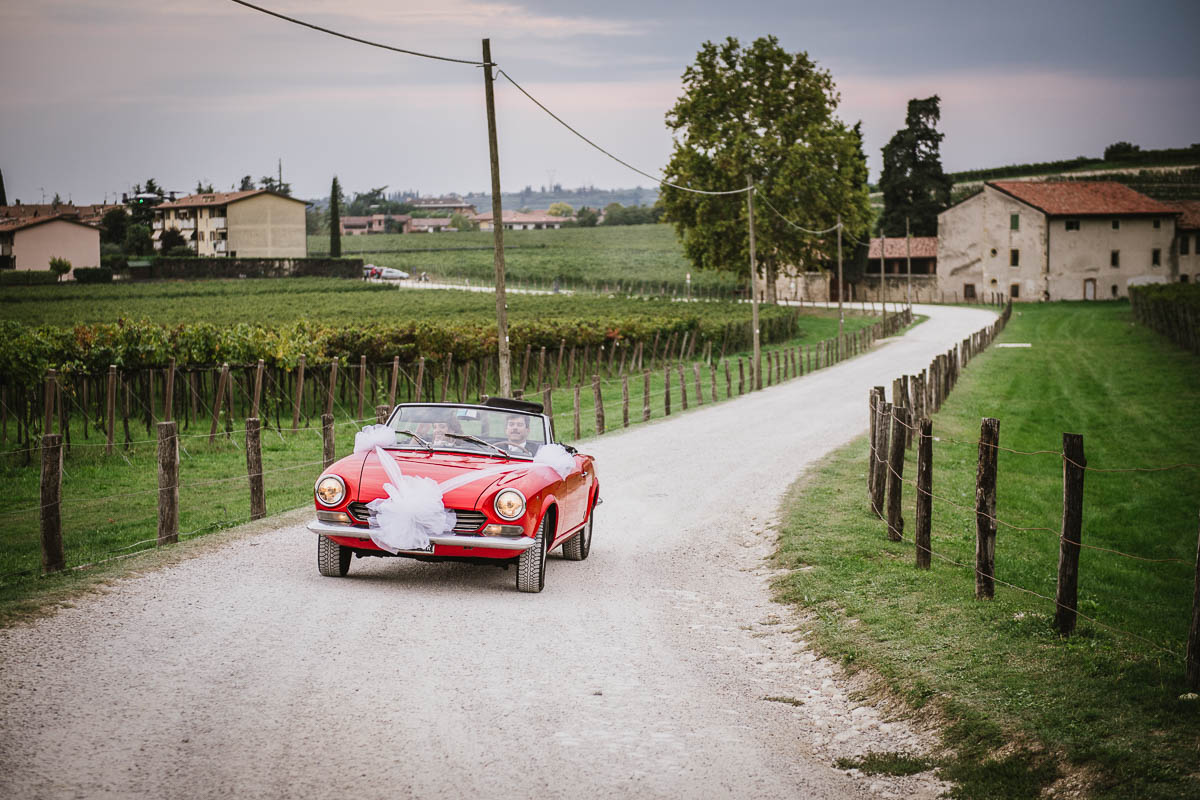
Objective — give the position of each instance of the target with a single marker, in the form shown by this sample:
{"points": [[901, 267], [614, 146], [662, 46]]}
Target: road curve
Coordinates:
{"points": [[647, 670]]}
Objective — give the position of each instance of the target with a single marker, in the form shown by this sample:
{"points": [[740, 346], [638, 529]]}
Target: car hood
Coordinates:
{"points": [[440, 467]]}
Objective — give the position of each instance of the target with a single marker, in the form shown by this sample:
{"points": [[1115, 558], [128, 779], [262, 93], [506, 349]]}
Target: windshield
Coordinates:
{"points": [[469, 429]]}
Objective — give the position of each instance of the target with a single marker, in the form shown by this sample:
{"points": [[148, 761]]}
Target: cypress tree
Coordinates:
{"points": [[3, 196], [913, 183], [335, 220]]}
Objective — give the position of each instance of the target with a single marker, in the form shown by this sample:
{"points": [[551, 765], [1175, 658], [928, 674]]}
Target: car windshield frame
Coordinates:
{"points": [[398, 420]]}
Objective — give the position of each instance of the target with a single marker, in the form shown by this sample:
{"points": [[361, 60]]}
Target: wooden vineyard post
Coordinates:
{"points": [[874, 398], [299, 394], [1069, 542], [110, 410], [327, 439], [333, 366], [218, 400], [362, 386], [683, 404], [696, 379], [51, 517], [924, 493], [169, 404], [562, 346], [254, 469], [741, 377], [667, 390], [895, 477], [258, 380], [645, 395], [541, 366], [168, 483], [599, 404], [548, 401], [728, 381], [985, 509], [712, 380], [624, 400], [577, 420], [51, 384], [395, 379], [1193, 642], [418, 397], [883, 418], [382, 413]]}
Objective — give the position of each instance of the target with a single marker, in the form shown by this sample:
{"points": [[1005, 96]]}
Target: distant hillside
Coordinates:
{"points": [[1118, 157]]}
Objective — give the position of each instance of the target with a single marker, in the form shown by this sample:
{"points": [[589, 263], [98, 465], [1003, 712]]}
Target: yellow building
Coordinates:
{"points": [[251, 224]]}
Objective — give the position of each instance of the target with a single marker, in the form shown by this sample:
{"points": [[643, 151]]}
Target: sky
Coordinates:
{"points": [[98, 96]]}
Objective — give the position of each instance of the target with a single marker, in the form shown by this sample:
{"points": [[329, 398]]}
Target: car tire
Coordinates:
{"points": [[578, 546], [531, 566], [333, 560]]}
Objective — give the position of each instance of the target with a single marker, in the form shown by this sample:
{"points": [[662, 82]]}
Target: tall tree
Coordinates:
{"points": [[913, 183], [765, 115], [3, 196], [247, 184], [335, 219], [113, 225]]}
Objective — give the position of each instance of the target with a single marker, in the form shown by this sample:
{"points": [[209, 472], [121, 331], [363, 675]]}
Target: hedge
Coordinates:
{"points": [[27, 277], [93, 275]]}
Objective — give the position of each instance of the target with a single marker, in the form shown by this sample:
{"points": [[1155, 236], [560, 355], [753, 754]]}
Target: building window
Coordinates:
{"points": [[1156, 257], [1184, 241], [1157, 224], [1014, 258], [1114, 290], [1114, 258], [1014, 291], [1014, 222], [1072, 224], [968, 291], [1116, 224]]}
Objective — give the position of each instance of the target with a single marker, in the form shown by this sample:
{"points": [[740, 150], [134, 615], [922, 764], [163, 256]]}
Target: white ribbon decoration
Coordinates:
{"points": [[414, 510], [372, 436]]}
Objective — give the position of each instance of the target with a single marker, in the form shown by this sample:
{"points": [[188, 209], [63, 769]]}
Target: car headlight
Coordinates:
{"points": [[330, 490], [510, 504]]}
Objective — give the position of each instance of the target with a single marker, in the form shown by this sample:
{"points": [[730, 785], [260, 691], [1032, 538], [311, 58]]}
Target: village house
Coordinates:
{"points": [[444, 205], [375, 223], [1039, 240], [430, 225], [250, 224], [1187, 240], [29, 242], [521, 221]]}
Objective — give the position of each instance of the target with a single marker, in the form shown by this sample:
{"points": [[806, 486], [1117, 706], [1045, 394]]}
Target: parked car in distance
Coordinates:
{"points": [[371, 271], [392, 274], [515, 494]]}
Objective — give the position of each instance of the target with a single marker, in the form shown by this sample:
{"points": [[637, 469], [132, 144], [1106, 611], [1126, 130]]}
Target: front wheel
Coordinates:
{"points": [[578, 546], [531, 566], [333, 560]]}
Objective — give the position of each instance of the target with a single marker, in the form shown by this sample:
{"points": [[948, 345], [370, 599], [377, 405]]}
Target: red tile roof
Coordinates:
{"points": [[922, 247], [1082, 198], [218, 199], [18, 223], [1190, 210]]}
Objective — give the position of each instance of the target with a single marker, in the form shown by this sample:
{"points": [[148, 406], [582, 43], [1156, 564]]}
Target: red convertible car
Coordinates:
{"points": [[454, 482]]}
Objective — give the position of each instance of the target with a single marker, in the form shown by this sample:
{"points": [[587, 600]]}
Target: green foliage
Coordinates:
{"points": [[764, 115], [915, 188], [137, 240], [462, 222], [172, 239], [60, 266], [247, 184], [335, 219], [179, 251], [1171, 156], [27, 277], [1172, 309], [617, 214], [93, 275], [560, 209], [587, 217], [113, 226]]}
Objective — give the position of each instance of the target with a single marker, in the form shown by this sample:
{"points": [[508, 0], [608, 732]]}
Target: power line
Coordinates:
{"points": [[797, 227], [295, 21]]}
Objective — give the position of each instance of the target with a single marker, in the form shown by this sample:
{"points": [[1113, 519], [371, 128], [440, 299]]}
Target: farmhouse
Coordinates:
{"points": [[1187, 240], [251, 224], [521, 221], [376, 223], [430, 225], [1037, 240], [29, 242]]}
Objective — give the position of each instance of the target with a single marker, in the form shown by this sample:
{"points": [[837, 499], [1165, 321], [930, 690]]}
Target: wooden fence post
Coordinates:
{"points": [[333, 367], [874, 398], [683, 404], [577, 420], [667, 390], [696, 380], [1069, 542], [51, 384], [548, 401], [728, 380], [52, 544], [257, 397], [599, 404], [362, 386], [395, 380], [219, 400], [168, 483], [299, 394], [110, 410], [382, 413], [924, 493], [254, 469], [169, 405], [1193, 643], [624, 397], [418, 397], [883, 418], [985, 509], [645, 395], [741, 377], [327, 439], [895, 478]]}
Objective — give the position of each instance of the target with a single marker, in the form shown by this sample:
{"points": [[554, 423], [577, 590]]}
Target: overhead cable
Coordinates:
{"points": [[797, 227], [295, 21]]}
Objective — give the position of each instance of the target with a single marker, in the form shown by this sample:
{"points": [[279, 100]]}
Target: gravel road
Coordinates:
{"points": [[644, 671]]}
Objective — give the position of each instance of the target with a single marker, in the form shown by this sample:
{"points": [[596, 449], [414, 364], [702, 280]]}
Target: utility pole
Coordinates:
{"points": [[841, 288], [754, 363], [908, 256], [497, 225]]}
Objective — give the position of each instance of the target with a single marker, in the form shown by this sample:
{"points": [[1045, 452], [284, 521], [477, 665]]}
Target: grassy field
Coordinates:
{"points": [[109, 502], [647, 255], [1023, 709]]}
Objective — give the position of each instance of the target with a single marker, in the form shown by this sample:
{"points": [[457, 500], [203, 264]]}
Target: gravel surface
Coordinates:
{"points": [[658, 667]]}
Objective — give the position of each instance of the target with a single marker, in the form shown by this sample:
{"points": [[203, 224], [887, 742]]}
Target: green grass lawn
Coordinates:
{"points": [[1023, 708]]}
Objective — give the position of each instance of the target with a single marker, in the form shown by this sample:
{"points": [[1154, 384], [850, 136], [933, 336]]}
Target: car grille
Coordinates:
{"points": [[467, 521]]}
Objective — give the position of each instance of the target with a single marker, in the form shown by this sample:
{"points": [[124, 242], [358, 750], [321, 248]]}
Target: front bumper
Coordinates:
{"points": [[447, 539]]}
